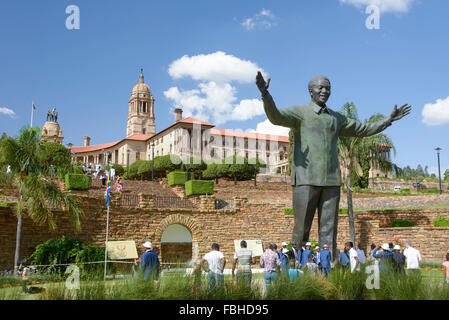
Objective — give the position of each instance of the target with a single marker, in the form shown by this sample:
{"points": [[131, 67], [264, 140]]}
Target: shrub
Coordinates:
{"points": [[77, 169], [431, 191], [145, 169], [401, 223], [199, 187], [176, 178], [441, 222], [134, 168], [78, 181], [289, 211], [196, 165], [343, 211], [405, 191], [66, 250], [166, 164]]}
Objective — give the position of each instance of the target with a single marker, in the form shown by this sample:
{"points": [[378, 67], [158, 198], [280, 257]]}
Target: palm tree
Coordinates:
{"points": [[38, 196], [349, 150]]}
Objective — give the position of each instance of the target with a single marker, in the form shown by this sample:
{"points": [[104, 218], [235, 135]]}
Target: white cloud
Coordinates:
{"points": [[434, 114], [265, 19], [215, 98], [8, 112], [400, 6], [218, 67], [268, 128]]}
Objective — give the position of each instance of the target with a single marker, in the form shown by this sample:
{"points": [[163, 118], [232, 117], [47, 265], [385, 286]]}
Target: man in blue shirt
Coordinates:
{"points": [[344, 258], [150, 264], [305, 257], [386, 256], [325, 260], [283, 257]]}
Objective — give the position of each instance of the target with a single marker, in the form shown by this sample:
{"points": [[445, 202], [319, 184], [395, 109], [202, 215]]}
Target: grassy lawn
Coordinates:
{"points": [[338, 286]]}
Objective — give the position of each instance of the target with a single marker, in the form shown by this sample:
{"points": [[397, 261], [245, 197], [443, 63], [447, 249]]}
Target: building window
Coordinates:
{"points": [[137, 156], [144, 130]]}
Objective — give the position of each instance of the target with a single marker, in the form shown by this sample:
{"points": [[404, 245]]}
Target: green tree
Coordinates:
{"points": [[349, 151], [166, 164], [212, 172], [196, 165], [55, 154], [37, 195], [254, 166], [446, 175]]}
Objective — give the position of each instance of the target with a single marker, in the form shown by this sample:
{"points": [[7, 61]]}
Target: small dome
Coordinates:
{"points": [[141, 87]]}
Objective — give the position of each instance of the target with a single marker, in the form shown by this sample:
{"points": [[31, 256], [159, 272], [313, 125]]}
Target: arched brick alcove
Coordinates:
{"points": [[193, 226]]}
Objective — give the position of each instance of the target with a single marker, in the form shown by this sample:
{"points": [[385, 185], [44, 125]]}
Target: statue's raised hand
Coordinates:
{"points": [[398, 114], [261, 84]]}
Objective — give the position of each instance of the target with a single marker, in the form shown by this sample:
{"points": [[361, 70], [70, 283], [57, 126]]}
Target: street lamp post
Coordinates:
{"points": [[127, 164], [439, 171], [187, 169], [152, 161]]}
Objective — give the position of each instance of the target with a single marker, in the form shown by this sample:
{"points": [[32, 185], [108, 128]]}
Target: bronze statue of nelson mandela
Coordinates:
{"points": [[315, 169]]}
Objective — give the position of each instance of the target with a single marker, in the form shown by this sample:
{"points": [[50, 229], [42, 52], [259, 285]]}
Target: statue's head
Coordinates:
{"points": [[320, 89]]}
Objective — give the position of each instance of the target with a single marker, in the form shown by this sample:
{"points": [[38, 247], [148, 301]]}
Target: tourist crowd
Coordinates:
{"points": [[295, 262]]}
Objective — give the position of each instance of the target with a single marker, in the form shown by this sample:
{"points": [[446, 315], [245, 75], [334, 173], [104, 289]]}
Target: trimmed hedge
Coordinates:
{"points": [[78, 181], [199, 187], [440, 222], [401, 223], [176, 178]]}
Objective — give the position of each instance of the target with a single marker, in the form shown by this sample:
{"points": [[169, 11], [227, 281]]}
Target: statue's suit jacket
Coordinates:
{"points": [[316, 131]]}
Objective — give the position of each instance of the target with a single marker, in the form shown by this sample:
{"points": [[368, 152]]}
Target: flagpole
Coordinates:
{"points": [[108, 186], [106, 249]]}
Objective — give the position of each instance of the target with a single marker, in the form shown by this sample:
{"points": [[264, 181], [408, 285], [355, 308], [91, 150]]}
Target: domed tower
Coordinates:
{"points": [[141, 110], [51, 131]]}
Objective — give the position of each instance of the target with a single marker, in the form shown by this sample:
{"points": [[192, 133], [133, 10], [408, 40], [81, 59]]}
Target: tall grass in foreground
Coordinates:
{"points": [[340, 285]]}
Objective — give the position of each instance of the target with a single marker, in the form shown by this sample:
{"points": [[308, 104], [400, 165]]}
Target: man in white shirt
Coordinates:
{"points": [[353, 258], [216, 262], [361, 254], [412, 257]]}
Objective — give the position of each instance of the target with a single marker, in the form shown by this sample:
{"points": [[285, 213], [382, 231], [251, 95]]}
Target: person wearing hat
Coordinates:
{"points": [[325, 261], [399, 260], [305, 257], [150, 264], [283, 256], [386, 256]]}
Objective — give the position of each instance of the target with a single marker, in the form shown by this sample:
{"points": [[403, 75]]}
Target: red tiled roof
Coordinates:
{"points": [[196, 121], [139, 137], [188, 120], [96, 147], [250, 135]]}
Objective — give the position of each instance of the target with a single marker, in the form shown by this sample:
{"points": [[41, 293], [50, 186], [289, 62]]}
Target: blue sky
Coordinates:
{"points": [[88, 74]]}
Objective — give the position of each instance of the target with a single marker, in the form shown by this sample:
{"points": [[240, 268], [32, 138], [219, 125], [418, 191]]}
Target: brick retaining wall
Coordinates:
{"points": [[252, 221]]}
